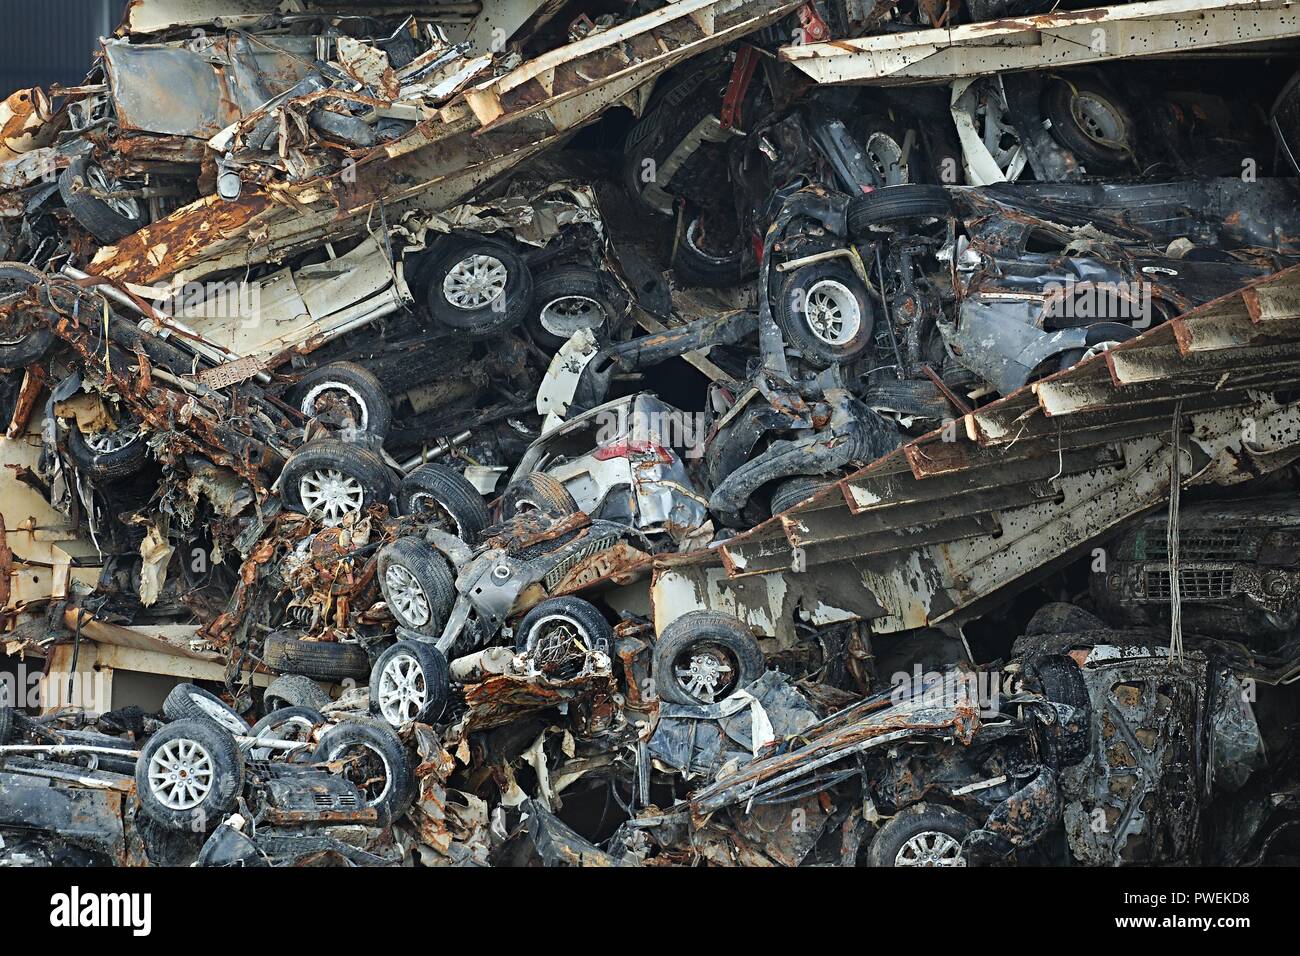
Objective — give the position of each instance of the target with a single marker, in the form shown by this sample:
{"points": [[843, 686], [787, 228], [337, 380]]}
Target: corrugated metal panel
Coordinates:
{"points": [[51, 41]]}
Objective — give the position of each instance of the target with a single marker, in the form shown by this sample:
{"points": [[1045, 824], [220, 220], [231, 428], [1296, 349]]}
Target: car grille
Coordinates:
{"points": [[1227, 544], [1195, 584], [570, 561]]}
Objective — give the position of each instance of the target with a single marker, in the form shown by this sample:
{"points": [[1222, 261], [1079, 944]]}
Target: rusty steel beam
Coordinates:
{"points": [[938, 530]]}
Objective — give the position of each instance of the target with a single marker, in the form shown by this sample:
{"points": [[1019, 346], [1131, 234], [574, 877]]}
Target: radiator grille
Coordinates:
{"points": [[1195, 584]]}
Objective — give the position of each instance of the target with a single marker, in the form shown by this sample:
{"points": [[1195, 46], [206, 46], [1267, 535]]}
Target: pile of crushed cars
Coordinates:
{"points": [[654, 433]]}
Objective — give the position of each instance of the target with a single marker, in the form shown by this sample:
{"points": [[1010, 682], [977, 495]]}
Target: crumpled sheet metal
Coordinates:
{"points": [[935, 531], [875, 722]]}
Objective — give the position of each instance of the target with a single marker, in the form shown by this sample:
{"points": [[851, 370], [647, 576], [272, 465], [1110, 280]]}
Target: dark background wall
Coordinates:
{"points": [[51, 41]]}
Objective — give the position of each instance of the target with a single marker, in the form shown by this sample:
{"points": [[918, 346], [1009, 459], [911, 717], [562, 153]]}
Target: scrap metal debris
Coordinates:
{"points": [[578, 434]]}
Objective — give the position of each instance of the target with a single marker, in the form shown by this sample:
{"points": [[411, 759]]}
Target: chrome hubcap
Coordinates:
{"points": [[334, 392], [1098, 119], [567, 314], [104, 442], [475, 282], [332, 493], [98, 180], [706, 673], [930, 848], [402, 689], [405, 593], [181, 774], [832, 312]]}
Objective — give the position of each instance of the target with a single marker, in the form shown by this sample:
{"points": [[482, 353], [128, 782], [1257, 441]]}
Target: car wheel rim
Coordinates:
{"points": [[1099, 120], [569, 313], [181, 774], [556, 640], [405, 593], [430, 509], [367, 768], [930, 848], [832, 312], [332, 493], [335, 391], [295, 729], [403, 690], [127, 208], [695, 239], [1099, 348], [218, 713], [475, 282], [105, 442], [886, 156], [706, 672]]}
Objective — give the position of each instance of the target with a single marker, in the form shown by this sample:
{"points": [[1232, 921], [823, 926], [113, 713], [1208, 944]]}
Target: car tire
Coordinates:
{"points": [[417, 583], [395, 794], [107, 454], [697, 266], [287, 723], [1063, 683], [1083, 118], [574, 618], [334, 478], [794, 490], [321, 660], [360, 389], [106, 222], [206, 754], [718, 640], [293, 690], [568, 299], [537, 491], [6, 724], [446, 498], [411, 681], [921, 835], [826, 314], [480, 288], [881, 208], [19, 348], [191, 702]]}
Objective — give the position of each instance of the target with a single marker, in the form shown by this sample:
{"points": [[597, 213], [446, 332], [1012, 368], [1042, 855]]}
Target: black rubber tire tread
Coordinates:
{"points": [[583, 613], [358, 378], [695, 270], [35, 345], [430, 571], [790, 316], [6, 724], [294, 690], [904, 825], [485, 322], [95, 216], [352, 459], [285, 714], [285, 651], [537, 491], [794, 490], [452, 491], [383, 740], [1063, 684], [228, 768], [276, 719], [890, 204], [437, 678], [560, 283], [119, 463], [1058, 107], [710, 626], [180, 705]]}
